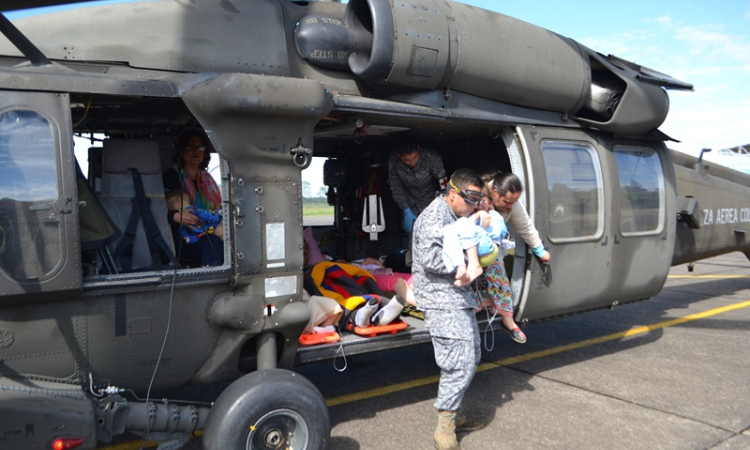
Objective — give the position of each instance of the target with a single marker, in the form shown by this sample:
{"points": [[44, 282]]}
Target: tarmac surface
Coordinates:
{"points": [[671, 372]]}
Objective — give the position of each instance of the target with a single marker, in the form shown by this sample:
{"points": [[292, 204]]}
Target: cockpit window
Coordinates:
{"points": [[27, 156], [574, 181], [641, 190], [29, 221]]}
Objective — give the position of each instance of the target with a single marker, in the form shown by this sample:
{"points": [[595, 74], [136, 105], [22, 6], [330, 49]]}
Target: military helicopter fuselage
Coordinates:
{"points": [[90, 326]]}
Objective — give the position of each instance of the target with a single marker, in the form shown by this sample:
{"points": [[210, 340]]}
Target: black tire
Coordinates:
{"points": [[268, 409]]}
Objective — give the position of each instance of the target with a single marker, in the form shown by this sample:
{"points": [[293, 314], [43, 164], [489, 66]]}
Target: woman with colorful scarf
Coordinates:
{"points": [[190, 177]]}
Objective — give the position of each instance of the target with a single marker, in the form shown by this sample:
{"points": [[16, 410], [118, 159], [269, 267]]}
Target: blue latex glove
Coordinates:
{"points": [[539, 251], [409, 219]]}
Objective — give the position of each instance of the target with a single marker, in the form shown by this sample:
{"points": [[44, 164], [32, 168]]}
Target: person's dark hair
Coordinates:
{"points": [[407, 149], [465, 177], [504, 182], [488, 176], [182, 142]]}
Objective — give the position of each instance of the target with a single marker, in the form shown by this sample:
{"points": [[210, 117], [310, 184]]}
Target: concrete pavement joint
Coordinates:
{"points": [[614, 336], [723, 441], [678, 290], [378, 392], [708, 276], [610, 396], [371, 393]]}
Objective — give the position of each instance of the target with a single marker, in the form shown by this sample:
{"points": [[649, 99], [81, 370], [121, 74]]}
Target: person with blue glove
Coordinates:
{"points": [[504, 190], [415, 176], [409, 219]]}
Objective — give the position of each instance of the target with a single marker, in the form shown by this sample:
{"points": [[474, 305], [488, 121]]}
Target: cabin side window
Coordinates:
{"points": [[641, 190], [133, 188], [574, 182], [29, 224]]}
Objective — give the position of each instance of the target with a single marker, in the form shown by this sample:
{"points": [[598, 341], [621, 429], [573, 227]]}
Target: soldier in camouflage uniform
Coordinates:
{"points": [[448, 307], [414, 177]]}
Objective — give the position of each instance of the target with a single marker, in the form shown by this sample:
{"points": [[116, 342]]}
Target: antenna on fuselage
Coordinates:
{"points": [[700, 157]]}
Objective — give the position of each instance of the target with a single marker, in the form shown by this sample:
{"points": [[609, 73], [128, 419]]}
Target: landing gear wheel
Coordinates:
{"points": [[269, 409]]}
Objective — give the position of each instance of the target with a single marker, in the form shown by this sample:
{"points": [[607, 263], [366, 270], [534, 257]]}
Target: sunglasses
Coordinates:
{"points": [[198, 148], [474, 198]]}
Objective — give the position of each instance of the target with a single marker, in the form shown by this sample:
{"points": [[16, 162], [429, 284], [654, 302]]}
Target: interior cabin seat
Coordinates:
{"points": [[132, 192]]}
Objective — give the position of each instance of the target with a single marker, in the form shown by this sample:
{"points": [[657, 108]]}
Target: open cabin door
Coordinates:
{"points": [[39, 248], [605, 209]]}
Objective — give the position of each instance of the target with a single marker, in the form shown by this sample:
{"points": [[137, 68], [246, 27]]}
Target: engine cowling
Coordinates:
{"points": [[396, 46]]}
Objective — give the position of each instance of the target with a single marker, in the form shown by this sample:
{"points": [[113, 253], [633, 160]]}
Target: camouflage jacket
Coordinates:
{"points": [[433, 284], [415, 187]]}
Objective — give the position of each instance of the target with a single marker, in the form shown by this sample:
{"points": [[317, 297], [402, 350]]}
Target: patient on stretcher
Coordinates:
{"points": [[355, 290]]}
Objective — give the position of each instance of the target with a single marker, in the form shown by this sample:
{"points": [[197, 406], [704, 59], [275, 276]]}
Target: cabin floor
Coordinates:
{"points": [[416, 333]]}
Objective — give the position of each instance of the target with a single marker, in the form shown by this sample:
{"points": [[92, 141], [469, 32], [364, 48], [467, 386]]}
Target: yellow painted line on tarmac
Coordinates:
{"points": [[344, 399], [136, 445], [132, 445], [364, 395], [372, 393], [708, 276]]}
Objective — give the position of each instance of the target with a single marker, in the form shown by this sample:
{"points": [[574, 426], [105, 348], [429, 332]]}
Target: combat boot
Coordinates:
{"points": [[445, 433], [464, 423]]}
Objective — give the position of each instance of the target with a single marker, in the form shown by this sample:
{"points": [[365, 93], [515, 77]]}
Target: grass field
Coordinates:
{"points": [[314, 210]]}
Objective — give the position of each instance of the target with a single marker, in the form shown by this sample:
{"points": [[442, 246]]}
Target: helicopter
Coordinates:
{"points": [[87, 330]]}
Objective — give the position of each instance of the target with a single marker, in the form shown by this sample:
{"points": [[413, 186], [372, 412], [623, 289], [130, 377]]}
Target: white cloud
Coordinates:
{"points": [[707, 125], [665, 21], [704, 71], [710, 42], [714, 60], [624, 45], [740, 163], [717, 63]]}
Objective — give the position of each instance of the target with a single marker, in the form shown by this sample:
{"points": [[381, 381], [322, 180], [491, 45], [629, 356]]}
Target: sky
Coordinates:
{"points": [[705, 43]]}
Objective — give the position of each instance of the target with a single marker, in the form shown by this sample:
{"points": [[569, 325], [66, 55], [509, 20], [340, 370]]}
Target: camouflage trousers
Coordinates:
{"points": [[455, 339]]}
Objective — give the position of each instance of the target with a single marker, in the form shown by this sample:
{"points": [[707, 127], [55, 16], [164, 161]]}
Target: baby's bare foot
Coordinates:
{"points": [[474, 271], [462, 276]]}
